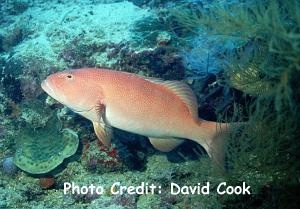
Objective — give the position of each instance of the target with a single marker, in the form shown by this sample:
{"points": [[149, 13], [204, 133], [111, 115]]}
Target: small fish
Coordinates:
{"points": [[164, 111]]}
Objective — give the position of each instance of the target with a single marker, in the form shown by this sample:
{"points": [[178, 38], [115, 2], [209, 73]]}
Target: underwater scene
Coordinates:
{"points": [[153, 104]]}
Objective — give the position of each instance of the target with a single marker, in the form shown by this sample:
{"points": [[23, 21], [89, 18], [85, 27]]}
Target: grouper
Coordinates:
{"points": [[164, 111]]}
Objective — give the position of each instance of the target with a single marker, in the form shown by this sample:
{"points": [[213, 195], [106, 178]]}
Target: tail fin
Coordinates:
{"points": [[212, 136]]}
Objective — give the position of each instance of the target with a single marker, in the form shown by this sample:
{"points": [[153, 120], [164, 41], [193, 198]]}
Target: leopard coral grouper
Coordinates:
{"points": [[164, 111]]}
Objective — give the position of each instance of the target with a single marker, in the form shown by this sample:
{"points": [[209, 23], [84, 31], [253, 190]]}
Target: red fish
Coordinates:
{"points": [[164, 111]]}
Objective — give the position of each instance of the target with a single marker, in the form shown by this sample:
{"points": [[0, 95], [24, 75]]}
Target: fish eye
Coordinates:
{"points": [[69, 76]]}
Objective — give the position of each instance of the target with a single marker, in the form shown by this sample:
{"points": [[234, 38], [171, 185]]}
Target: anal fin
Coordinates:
{"points": [[103, 133], [165, 145]]}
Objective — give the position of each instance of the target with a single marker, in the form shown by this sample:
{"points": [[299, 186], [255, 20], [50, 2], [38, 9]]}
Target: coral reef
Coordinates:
{"points": [[161, 62], [42, 150], [251, 46], [11, 87], [97, 158], [12, 38]]}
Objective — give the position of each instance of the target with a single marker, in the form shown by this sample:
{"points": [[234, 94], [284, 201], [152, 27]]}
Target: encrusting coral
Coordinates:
{"points": [[42, 150]]}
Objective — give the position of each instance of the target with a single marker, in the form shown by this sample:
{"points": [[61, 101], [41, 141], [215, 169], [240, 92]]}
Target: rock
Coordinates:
{"points": [[47, 182], [3, 204], [163, 38], [9, 167]]}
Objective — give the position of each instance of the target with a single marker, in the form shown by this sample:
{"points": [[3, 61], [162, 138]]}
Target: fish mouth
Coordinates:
{"points": [[47, 88], [43, 85]]}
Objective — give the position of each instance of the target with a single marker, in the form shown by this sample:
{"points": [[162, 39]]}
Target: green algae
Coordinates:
{"points": [[265, 153], [43, 149]]}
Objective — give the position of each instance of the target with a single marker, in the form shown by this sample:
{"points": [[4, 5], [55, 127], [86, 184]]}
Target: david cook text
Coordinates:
{"points": [[148, 188]]}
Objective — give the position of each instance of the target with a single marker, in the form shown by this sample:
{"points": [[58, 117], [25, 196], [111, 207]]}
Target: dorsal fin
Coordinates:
{"points": [[182, 90]]}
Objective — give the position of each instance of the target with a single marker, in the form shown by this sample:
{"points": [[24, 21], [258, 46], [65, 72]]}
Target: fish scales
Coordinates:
{"points": [[164, 111]]}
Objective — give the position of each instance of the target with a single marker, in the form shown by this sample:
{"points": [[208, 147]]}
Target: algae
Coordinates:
{"points": [[266, 65]]}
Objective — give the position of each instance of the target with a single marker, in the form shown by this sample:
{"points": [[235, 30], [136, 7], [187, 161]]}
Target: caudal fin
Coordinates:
{"points": [[212, 136]]}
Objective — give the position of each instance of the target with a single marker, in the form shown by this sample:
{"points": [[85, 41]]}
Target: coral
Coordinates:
{"points": [[149, 201], [43, 149], [78, 52], [97, 158], [12, 38], [12, 110], [12, 87], [52, 103], [163, 38], [35, 117], [147, 30], [3, 131], [85, 198], [18, 6], [30, 87], [161, 62], [34, 68], [125, 200], [150, 3]]}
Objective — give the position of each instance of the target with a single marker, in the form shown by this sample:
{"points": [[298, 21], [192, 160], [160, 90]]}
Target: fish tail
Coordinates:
{"points": [[212, 136]]}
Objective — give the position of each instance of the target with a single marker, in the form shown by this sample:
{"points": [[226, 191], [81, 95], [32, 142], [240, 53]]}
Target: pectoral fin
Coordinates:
{"points": [[165, 145], [103, 133]]}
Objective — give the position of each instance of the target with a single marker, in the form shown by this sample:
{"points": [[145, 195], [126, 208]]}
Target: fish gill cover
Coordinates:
{"points": [[241, 59]]}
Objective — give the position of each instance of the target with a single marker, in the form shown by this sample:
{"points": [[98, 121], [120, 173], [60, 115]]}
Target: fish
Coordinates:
{"points": [[164, 111]]}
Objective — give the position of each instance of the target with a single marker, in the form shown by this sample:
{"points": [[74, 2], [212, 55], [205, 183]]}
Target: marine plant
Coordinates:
{"points": [[266, 65]]}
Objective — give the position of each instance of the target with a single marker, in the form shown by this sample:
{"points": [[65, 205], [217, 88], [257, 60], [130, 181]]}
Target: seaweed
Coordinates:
{"points": [[265, 153]]}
